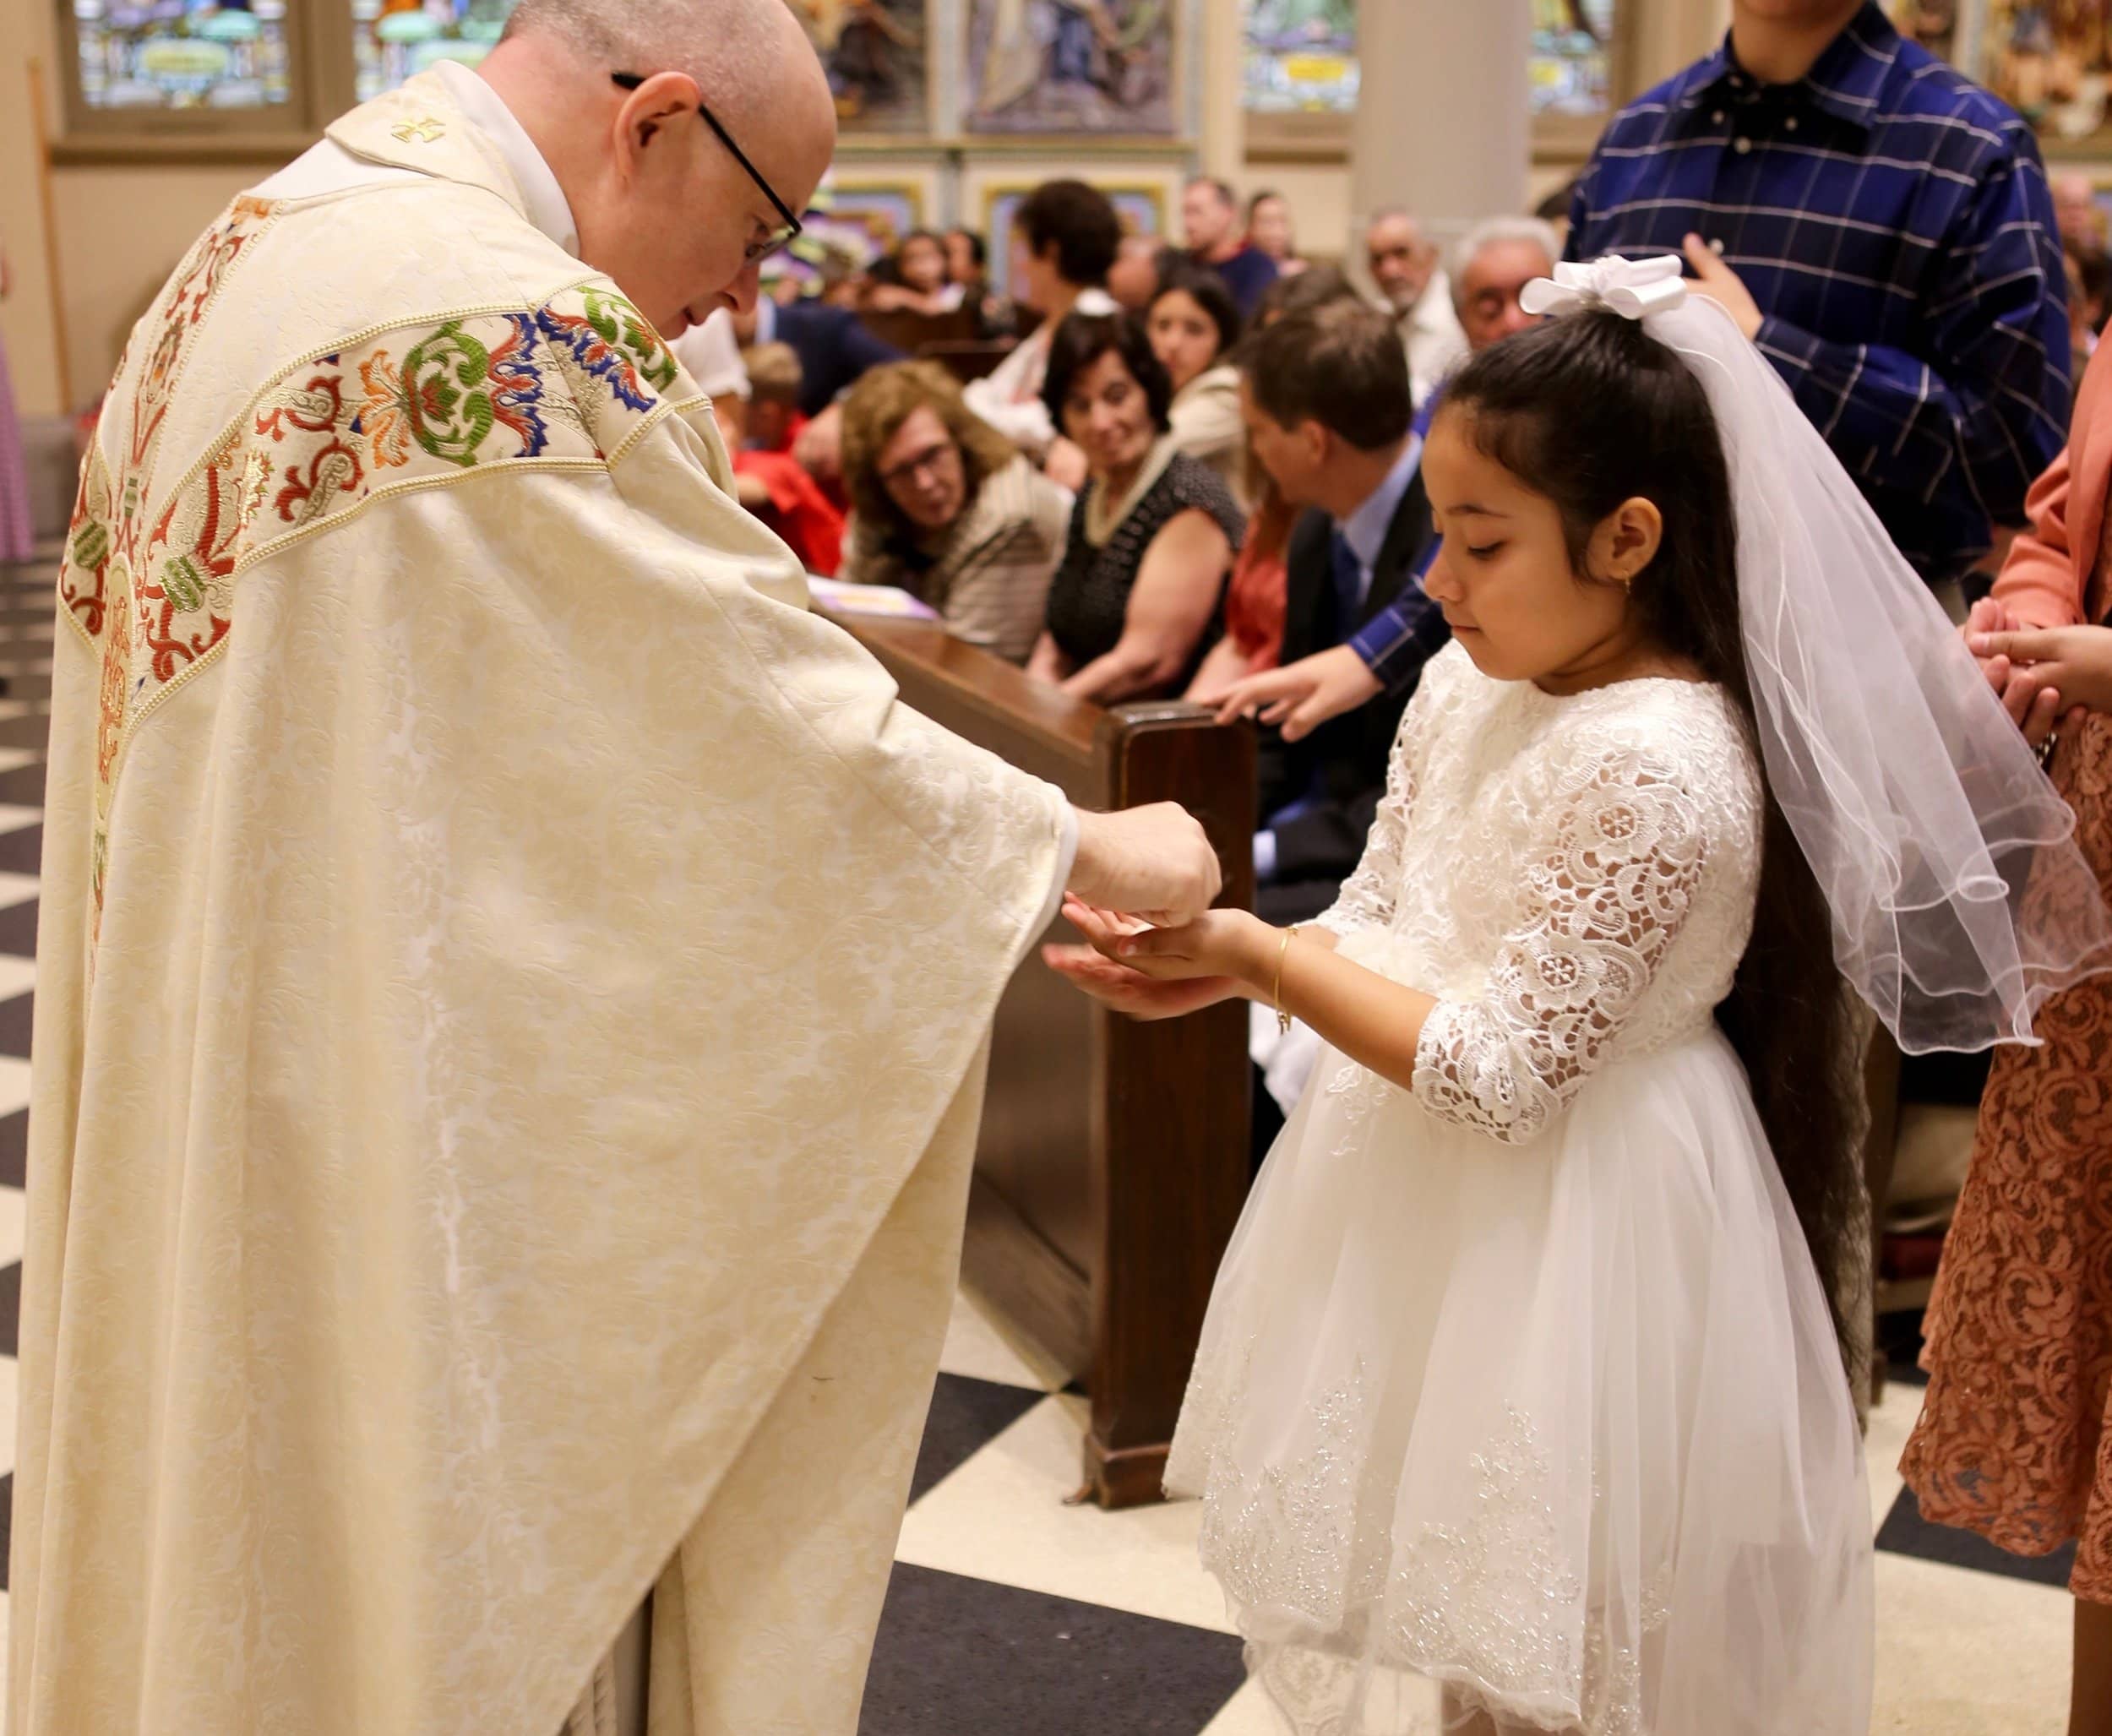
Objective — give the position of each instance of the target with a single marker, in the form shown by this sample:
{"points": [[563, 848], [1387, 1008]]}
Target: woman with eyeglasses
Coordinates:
{"points": [[947, 509]]}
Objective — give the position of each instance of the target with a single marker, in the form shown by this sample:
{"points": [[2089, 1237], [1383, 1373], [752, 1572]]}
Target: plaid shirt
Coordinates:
{"points": [[1892, 221]]}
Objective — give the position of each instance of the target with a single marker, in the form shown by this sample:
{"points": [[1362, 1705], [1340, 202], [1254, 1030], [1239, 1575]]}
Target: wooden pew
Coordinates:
{"points": [[913, 332], [1114, 1157], [968, 362]]}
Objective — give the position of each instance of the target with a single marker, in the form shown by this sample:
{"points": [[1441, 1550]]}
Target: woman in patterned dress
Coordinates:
{"points": [[2015, 1440], [1136, 603]]}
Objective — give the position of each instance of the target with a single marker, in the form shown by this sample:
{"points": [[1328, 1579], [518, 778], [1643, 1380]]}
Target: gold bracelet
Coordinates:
{"points": [[1282, 1018]]}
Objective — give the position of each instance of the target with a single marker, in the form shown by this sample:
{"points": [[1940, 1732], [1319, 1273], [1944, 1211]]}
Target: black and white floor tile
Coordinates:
{"points": [[1013, 1611]]}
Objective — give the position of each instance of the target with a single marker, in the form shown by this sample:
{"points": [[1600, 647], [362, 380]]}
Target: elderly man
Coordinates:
{"points": [[513, 982], [1491, 266], [1210, 219], [1416, 290]]}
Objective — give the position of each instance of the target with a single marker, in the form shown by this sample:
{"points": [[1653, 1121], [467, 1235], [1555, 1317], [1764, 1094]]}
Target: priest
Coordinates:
{"points": [[513, 985]]}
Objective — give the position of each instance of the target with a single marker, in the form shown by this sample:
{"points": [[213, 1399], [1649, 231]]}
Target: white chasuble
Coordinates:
{"points": [[511, 999]]}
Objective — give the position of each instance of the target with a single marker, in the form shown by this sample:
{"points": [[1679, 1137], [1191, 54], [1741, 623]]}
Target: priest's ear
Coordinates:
{"points": [[652, 106], [1626, 542]]}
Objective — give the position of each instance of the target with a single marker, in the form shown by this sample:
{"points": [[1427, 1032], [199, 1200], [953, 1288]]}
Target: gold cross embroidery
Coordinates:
{"points": [[426, 132]]}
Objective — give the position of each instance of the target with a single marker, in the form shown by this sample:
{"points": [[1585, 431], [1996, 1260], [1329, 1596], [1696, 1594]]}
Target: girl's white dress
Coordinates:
{"points": [[1523, 1382]]}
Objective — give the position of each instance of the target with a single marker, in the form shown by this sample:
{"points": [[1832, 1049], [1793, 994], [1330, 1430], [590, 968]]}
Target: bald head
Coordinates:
{"points": [[663, 204]]}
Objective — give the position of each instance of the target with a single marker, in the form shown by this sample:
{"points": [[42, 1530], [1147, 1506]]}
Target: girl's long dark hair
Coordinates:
{"points": [[1590, 410]]}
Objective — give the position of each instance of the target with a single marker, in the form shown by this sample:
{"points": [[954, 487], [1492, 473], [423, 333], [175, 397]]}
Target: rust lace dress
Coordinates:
{"points": [[2015, 1440]]}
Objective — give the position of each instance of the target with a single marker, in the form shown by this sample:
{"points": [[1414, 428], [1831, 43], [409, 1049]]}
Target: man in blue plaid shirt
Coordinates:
{"points": [[1882, 228]]}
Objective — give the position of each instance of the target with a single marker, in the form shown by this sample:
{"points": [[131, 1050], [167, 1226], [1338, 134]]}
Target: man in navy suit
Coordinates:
{"points": [[1329, 415]]}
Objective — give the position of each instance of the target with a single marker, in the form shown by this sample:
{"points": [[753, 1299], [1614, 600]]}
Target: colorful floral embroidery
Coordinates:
{"points": [[107, 519], [566, 384], [616, 344], [449, 393]]}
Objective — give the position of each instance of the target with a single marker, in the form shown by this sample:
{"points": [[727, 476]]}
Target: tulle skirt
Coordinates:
{"points": [[1561, 1428]]}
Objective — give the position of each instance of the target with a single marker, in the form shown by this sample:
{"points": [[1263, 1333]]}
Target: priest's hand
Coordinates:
{"points": [[1301, 696], [1153, 861]]}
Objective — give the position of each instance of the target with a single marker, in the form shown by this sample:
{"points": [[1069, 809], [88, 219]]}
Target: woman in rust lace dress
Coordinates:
{"points": [[2015, 1440]]}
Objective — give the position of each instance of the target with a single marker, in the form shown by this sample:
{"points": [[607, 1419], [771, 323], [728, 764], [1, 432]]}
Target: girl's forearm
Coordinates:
{"points": [[1373, 1020]]}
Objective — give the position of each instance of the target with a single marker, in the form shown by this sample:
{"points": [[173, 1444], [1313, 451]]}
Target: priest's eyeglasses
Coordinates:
{"points": [[785, 231]]}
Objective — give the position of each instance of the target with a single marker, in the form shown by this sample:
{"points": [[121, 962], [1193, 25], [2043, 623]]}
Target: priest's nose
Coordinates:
{"points": [[742, 293]]}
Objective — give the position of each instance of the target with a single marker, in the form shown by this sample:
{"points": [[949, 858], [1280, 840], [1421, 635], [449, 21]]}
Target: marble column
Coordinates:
{"points": [[1442, 125]]}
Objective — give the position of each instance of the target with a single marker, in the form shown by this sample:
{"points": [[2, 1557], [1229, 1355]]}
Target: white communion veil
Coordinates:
{"points": [[1918, 804]]}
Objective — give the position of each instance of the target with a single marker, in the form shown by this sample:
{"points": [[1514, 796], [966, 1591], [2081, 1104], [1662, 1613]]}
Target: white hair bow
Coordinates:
{"points": [[1632, 288]]}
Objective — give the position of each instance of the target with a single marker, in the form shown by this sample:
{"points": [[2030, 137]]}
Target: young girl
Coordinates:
{"points": [[1520, 1381]]}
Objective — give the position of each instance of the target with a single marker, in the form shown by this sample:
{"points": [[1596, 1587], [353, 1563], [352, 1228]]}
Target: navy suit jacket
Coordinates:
{"points": [[835, 350]]}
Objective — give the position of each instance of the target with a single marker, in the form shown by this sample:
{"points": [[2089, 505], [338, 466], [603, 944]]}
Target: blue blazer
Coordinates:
{"points": [[835, 350]]}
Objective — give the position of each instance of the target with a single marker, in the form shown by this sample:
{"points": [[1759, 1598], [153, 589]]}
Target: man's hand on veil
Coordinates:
{"points": [[1153, 862], [1714, 279]]}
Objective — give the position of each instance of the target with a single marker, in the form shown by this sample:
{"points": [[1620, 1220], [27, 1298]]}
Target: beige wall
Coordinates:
{"points": [[27, 325], [1319, 195]]}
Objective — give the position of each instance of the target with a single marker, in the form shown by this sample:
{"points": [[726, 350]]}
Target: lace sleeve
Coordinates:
{"points": [[1366, 899], [1625, 846], [1367, 895]]}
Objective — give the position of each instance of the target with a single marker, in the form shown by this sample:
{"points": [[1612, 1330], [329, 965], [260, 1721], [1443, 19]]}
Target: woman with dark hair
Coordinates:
{"points": [[1523, 1374], [1194, 324], [1269, 231], [1256, 597], [968, 257], [1068, 235], [1152, 535], [947, 509]]}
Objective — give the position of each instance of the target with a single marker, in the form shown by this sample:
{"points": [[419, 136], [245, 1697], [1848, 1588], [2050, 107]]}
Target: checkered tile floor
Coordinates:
{"points": [[1013, 1613]]}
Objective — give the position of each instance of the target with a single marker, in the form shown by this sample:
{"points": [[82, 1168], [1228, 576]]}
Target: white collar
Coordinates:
{"points": [[542, 199], [1434, 304]]}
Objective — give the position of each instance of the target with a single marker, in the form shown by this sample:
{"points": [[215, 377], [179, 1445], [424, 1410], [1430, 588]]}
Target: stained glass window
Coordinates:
{"points": [[396, 40], [222, 54], [1571, 67], [1301, 56]]}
